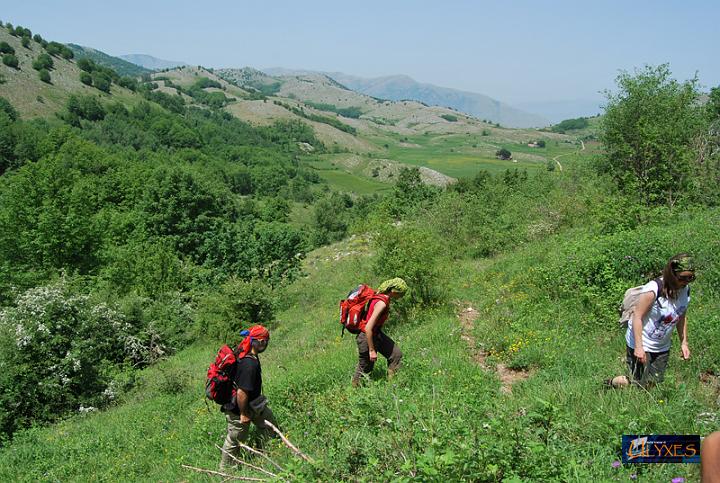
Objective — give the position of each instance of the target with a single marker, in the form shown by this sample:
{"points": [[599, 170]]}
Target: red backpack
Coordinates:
{"points": [[354, 308], [219, 385]]}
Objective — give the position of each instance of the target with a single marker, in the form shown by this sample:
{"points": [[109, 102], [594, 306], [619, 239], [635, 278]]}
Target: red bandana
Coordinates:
{"points": [[256, 332]]}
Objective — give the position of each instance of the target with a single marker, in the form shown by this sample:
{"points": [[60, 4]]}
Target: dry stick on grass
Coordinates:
{"points": [[256, 468], [260, 453], [224, 475], [289, 444]]}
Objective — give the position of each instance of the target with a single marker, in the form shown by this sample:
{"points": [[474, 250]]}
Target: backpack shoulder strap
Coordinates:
{"points": [[660, 284]]}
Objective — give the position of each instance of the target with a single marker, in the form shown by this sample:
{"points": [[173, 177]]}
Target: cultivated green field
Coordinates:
{"points": [[344, 179], [464, 155]]}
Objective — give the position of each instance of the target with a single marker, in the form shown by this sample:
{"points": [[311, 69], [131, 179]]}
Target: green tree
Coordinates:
{"points": [[101, 81], [8, 109], [86, 64], [44, 75], [25, 41], [86, 78], [128, 83], [10, 60], [503, 154], [43, 61], [647, 131], [713, 104], [6, 48]]}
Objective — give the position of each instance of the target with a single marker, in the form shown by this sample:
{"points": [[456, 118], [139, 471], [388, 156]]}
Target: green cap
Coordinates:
{"points": [[397, 285], [684, 263]]}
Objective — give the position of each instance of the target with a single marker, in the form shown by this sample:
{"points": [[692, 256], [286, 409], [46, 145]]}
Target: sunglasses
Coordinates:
{"points": [[686, 279]]}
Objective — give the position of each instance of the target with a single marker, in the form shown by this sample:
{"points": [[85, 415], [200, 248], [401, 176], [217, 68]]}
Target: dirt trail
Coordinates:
{"points": [[507, 376], [561, 155]]}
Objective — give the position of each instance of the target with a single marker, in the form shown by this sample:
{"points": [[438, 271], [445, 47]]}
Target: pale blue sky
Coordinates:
{"points": [[515, 51]]}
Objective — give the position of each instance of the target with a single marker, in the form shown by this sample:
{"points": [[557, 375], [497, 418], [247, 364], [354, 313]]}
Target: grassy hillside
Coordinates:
{"points": [[35, 98], [387, 134], [446, 415]]}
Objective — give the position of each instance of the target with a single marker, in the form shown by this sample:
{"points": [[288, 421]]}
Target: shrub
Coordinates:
{"points": [[412, 253], [450, 117], [54, 48], [101, 81], [38, 38], [82, 107], [20, 31], [58, 348], [503, 154], [86, 78], [10, 60], [128, 83], [8, 109], [25, 41], [44, 75], [235, 306], [6, 48], [43, 61], [86, 64]]}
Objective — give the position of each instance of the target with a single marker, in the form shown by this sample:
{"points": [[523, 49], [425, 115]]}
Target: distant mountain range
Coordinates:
{"points": [[402, 87], [121, 66], [152, 63]]}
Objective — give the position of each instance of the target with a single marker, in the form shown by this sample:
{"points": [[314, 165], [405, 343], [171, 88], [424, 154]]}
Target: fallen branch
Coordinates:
{"points": [[256, 468], [260, 453], [224, 475], [288, 443]]}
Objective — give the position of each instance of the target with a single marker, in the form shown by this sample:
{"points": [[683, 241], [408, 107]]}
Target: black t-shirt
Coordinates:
{"points": [[248, 377]]}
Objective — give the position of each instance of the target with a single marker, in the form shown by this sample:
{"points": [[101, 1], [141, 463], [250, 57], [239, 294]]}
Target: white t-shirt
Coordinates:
{"points": [[659, 322]]}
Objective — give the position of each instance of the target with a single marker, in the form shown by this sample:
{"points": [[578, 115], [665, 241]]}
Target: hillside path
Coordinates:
{"points": [[567, 154], [507, 376]]}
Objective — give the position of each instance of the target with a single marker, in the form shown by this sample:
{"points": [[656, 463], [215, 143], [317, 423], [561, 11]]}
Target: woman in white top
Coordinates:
{"points": [[661, 307]]}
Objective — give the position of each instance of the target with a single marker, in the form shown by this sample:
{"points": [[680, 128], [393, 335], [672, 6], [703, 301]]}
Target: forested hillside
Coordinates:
{"points": [[142, 225]]}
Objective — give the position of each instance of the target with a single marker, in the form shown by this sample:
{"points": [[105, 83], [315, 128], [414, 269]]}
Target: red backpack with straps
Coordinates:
{"points": [[353, 309], [219, 385]]}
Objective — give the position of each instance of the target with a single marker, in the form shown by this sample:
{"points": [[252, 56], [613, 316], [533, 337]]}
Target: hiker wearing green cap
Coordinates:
{"points": [[371, 338], [661, 307]]}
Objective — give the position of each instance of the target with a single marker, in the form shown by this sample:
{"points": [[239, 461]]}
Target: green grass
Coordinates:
{"points": [[342, 179], [464, 155], [443, 416]]}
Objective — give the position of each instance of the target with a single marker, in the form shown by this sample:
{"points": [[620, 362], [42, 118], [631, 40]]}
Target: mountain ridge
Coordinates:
{"points": [[150, 62], [403, 87]]}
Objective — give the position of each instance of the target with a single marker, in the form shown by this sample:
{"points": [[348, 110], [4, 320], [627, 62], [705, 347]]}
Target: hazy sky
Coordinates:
{"points": [[515, 51]]}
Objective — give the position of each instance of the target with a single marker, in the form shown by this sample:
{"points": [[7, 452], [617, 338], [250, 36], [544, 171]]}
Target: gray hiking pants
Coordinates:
{"points": [[652, 372], [384, 345], [237, 432]]}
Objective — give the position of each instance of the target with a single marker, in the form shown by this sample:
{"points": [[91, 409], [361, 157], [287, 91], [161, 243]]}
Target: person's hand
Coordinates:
{"points": [[244, 419], [373, 356], [685, 350], [640, 354]]}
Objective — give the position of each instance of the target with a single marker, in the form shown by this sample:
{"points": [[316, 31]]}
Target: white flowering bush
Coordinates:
{"points": [[58, 351]]}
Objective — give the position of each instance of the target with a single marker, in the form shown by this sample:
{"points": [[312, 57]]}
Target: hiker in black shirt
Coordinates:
{"points": [[248, 405]]}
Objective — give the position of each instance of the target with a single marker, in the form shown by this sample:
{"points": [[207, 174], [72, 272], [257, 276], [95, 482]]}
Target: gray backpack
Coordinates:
{"points": [[627, 308]]}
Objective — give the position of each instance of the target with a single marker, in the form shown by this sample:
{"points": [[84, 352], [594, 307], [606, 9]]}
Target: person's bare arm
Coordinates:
{"points": [[641, 308], [377, 310], [682, 335], [243, 405]]}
